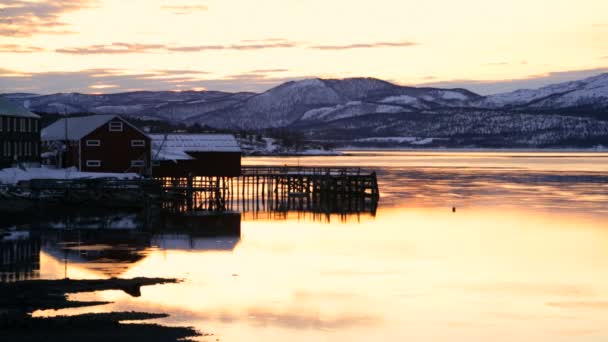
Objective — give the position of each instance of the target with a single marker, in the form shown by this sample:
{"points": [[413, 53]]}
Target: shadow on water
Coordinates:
{"points": [[108, 243]]}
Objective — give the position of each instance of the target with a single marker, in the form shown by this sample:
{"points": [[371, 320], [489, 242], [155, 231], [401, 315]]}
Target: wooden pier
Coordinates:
{"points": [[280, 189]]}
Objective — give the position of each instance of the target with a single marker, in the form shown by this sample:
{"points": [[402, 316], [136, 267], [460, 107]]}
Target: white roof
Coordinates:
{"points": [[8, 108], [77, 128], [177, 146]]}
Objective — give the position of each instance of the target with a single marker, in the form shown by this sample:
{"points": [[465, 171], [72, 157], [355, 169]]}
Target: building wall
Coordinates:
{"points": [[19, 140], [115, 151], [221, 164]]}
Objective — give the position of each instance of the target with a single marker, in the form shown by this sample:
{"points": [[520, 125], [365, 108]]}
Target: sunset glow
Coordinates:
{"points": [[112, 45]]}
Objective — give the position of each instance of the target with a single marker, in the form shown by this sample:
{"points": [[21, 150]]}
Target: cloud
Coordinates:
{"points": [[185, 9], [114, 48], [133, 48], [265, 71], [534, 289], [121, 80], [580, 304], [486, 87], [20, 18], [364, 45], [245, 45], [14, 48]]}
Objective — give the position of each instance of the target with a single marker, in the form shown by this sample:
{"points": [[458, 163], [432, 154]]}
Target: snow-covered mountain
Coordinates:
{"points": [[163, 105], [325, 100], [311, 99], [589, 93], [369, 110]]}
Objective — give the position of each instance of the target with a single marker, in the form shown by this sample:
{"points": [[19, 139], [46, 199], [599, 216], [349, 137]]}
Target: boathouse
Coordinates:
{"points": [[19, 134], [98, 143], [204, 155]]}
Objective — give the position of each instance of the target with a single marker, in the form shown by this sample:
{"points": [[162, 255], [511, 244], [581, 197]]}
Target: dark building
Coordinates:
{"points": [[19, 134], [210, 155], [99, 143]]}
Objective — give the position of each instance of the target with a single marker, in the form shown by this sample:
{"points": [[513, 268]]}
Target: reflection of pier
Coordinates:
{"points": [[322, 190], [19, 257]]}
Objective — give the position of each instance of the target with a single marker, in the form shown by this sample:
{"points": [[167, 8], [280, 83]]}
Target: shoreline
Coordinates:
{"points": [[18, 301], [347, 151]]}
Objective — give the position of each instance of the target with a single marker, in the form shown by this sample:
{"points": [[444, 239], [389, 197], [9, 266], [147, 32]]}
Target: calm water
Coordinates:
{"points": [[524, 258]]}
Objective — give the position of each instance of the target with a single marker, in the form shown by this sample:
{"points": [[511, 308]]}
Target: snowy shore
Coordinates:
{"points": [[14, 175]]}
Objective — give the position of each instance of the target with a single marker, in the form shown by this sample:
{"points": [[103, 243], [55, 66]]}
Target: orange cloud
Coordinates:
{"points": [[19, 18], [14, 48], [365, 45], [186, 9]]}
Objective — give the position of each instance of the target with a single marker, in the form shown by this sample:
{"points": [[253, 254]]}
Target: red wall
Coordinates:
{"points": [[115, 151], [222, 164]]}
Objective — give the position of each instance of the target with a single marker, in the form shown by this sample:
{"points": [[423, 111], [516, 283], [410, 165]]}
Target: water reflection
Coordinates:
{"points": [[522, 259], [573, 191], [19, 256]]}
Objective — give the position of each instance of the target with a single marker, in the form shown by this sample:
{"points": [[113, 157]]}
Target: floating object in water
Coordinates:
{"points": [[453, 209]]}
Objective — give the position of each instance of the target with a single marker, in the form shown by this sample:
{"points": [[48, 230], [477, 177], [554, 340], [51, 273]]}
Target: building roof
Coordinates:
{"points": [[8, 108], [177, 146], [78, 127]]}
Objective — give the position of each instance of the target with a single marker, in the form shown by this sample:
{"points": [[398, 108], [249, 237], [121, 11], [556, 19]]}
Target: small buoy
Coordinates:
{"points": [[453, 209]]}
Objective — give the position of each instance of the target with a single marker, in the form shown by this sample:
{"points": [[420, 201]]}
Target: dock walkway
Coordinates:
{"points": [[335, 189]]}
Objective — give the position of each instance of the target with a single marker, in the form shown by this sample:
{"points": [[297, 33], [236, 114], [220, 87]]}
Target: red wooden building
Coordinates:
{"points": [[99, 143], [181, 155]]}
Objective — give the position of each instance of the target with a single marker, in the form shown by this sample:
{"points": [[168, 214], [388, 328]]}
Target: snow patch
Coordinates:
{"points": [[453, 95], [14, 175], [401, 99]]}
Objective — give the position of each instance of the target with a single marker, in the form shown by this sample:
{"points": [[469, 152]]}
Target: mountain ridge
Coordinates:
{"points": [[366, 108]]}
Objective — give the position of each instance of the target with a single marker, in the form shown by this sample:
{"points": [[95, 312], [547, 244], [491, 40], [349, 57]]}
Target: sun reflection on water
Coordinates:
{"points": [[523, 258]]}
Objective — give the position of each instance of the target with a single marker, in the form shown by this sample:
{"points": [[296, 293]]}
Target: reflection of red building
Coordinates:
{"points": [[99, 143], [212, 155]]}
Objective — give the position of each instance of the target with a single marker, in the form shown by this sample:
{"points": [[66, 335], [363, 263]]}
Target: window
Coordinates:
{"points": [[93, 143], [137, 163], [93, 163], [29, 125], [1, 120], [138, 143], [115, 126], [22, 125], [35, 126]]}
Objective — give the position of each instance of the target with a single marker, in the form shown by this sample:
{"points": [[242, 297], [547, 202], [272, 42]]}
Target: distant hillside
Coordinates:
{"points": [[367, 111]]}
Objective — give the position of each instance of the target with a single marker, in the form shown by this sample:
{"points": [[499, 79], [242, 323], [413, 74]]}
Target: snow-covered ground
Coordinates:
{"points": [[14, 175], [399, 140], [269, 146]]}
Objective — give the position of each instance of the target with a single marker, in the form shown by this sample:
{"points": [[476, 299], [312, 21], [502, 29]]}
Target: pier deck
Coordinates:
{"points": [[281, 188]]}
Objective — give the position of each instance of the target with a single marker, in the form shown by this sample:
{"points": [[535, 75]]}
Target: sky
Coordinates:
{"points": [[107, 46]]}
